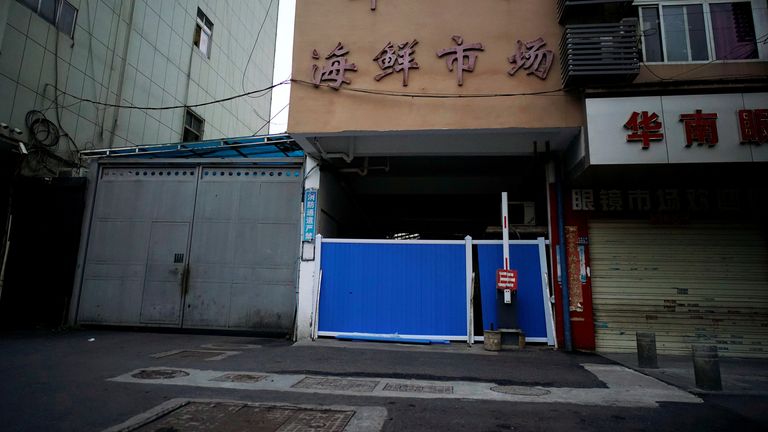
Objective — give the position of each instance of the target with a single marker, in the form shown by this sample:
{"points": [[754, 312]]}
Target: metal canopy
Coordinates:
{"points": [[265, 146]]}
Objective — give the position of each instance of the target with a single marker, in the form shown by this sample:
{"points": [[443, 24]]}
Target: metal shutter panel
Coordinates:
{"points": [[698, 283]]}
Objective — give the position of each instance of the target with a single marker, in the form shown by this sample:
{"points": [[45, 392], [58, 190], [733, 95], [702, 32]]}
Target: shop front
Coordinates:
{"points": [[669, 216]]}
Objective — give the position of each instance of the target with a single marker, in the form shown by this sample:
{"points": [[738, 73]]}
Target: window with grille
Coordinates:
{"points": [[193, 126]]}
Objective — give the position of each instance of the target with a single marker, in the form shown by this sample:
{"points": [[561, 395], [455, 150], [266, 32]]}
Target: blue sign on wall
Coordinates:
{"points": [[310, 215]]}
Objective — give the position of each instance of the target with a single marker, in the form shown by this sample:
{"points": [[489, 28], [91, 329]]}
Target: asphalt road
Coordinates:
{"points": [[60, 382]]}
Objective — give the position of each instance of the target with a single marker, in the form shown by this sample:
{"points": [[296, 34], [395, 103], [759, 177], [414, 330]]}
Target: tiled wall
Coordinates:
{"points": [[163, 68]]}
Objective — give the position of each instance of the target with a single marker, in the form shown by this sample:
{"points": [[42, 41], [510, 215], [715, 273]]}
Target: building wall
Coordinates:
{"points": [[497, 24], [162, 67]]}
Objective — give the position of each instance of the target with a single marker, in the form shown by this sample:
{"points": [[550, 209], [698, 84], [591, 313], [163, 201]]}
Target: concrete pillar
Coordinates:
{"points": [[308, 267]]}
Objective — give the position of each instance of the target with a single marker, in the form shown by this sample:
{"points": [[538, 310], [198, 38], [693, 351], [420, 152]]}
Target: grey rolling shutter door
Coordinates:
{"points": [[698, 283]]}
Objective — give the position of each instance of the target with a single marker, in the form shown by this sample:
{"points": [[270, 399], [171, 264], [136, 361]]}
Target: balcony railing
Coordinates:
{"points": [[597, 54], [567, 7]]}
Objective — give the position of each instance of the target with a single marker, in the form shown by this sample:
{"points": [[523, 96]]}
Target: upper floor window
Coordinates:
{"points": [[193, 126], [698, 31], [60, 13], [203, 33]]}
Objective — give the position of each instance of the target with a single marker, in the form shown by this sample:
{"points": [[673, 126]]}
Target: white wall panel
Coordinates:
{"points": [[728, 149]]}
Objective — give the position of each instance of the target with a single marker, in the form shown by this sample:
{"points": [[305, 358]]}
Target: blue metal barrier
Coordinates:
{"points": [[526, 258], [409, 288]]}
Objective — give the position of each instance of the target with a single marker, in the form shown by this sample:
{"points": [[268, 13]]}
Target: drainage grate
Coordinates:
{"points": [[521, 391], [159, 374], [418, 388], [239, 378], [235, 417], [337, 384]]}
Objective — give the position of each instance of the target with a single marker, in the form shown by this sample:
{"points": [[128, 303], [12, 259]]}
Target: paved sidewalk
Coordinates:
{"points": [[748, 377], [626, 388]]}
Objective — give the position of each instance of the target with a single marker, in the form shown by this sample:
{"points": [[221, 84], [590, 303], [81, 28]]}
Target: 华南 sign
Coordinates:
{"points": [[678, 129]]}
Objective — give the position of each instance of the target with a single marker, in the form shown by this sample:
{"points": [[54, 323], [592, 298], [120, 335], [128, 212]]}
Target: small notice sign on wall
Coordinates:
{"points": [[506, 279], [310, 215]]}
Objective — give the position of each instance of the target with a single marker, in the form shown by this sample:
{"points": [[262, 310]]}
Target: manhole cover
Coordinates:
{"points": [[240, 378], [338, 384], [418, 388], [521, 391], [232, 417], [159, 374]]}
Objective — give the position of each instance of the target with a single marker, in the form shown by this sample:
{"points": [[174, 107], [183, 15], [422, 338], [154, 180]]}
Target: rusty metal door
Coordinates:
{"points": [[245, 242], [141, 220], [165, 278], [194, 247]]}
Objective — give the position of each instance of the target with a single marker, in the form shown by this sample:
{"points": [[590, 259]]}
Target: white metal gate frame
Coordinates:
{"points": [[470, 338]]}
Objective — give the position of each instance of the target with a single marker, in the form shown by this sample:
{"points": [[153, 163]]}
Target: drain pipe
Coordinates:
{"points": [[119, 94], [364, 170], [348, 157], [6, 246], [561, 258]]}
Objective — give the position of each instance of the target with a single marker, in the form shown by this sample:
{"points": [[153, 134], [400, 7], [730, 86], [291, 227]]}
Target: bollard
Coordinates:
{"points": [[646, 350], [706, 367]]}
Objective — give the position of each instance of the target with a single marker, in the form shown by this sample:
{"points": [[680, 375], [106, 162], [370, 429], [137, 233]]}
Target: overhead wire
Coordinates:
{"points": [[270, 119], [263, 91], [253, 48], [160, 108], [435, 95]]}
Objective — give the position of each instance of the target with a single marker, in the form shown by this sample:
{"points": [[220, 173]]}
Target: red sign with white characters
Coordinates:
{"points": [[506, 279]]}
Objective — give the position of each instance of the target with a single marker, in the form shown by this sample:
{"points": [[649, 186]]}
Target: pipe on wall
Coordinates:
{"points": [[119, 95], [562, 257]]}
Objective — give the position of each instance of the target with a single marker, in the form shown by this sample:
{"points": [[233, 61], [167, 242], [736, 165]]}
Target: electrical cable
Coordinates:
{"points": [[145, 108], [248, 62], [436, 95], [270, 119], [62, 131], [43, 132], [250, 56]]}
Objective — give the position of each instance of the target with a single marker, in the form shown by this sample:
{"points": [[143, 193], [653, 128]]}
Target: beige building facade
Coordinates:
{"points": [[365, 32], [577, 110]]}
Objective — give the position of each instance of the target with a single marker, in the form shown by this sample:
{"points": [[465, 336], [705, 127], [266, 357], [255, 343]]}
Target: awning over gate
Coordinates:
{"points": [[265, 146]]}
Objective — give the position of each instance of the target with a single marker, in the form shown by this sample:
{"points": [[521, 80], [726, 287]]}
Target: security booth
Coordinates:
{"points": [[200, 235]]}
